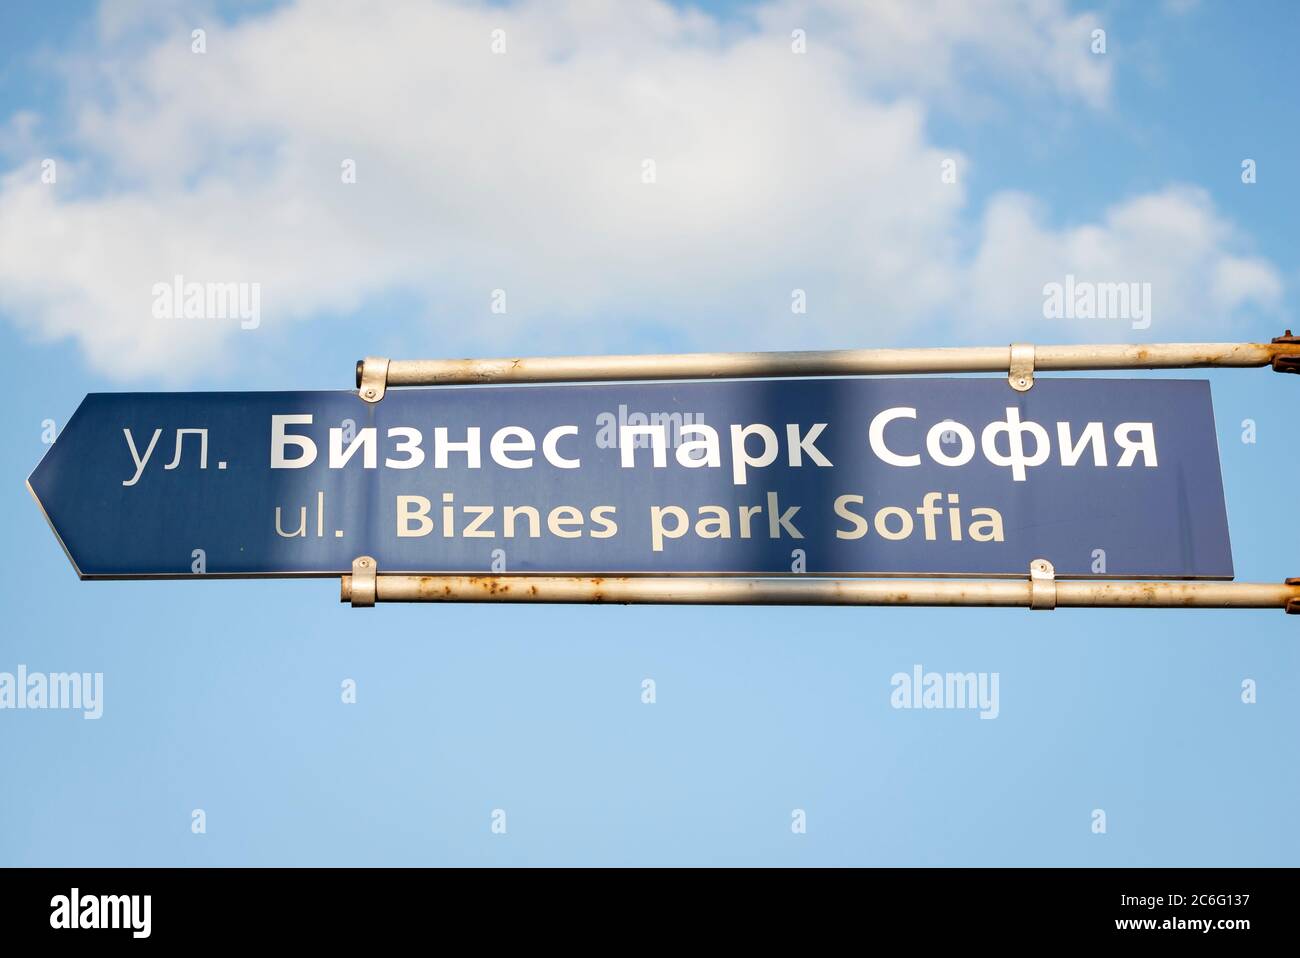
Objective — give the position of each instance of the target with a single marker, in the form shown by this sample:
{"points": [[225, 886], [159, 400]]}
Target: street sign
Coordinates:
{"points": [[945, 477]]}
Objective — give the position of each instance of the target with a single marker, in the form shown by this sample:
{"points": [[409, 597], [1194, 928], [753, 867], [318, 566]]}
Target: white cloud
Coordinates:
{"points": [[918, 45], [523, 171], [1173, 240]]}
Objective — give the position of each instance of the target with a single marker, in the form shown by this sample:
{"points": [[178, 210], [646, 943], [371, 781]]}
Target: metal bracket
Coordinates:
{"points": [[1287, 363], [1293, 605], [1042, 585], [363, 582], [372, 378], [1021, 373]]}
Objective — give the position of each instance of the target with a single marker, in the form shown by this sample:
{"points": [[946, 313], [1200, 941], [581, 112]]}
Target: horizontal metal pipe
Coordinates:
{"points": [[1160, 355], [1176, 595], [682, 590], [846, 362]]}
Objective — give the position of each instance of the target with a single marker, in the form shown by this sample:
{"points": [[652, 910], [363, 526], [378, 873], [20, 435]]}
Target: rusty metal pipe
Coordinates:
{"points": [[846, 362], [693, 590]]}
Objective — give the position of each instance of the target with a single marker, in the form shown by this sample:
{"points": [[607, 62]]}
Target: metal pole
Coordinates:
{"points": [[1283, 353], [682, 590]]}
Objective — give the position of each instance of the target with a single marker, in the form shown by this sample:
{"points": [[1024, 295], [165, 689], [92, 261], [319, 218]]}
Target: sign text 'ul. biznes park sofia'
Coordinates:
{"points": [[760, 477]]}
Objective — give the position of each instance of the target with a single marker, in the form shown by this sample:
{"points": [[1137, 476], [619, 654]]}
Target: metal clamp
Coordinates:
{"points": [[1293, 604], [1042, 585], [372, 378], [1286, 362], [1021, 372], [363, 582]]}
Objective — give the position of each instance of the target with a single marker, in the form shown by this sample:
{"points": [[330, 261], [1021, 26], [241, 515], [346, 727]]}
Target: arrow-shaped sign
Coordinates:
{"points": [[1118, 478]]}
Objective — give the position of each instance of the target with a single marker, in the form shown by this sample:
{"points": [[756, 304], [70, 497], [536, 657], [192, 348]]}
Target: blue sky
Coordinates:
{"points": [[523, 172]]}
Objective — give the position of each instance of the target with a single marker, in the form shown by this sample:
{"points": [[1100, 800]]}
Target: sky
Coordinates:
{"points": [[920, 171]]}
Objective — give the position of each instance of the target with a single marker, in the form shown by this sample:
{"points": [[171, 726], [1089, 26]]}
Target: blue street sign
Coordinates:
{"points": [[1101, 477]]}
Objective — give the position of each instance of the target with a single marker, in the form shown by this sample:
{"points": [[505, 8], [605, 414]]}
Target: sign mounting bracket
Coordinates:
{"points": [[1286, 362], [362, 587], [1042, 585], [372, 378], [1021, 372]]}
